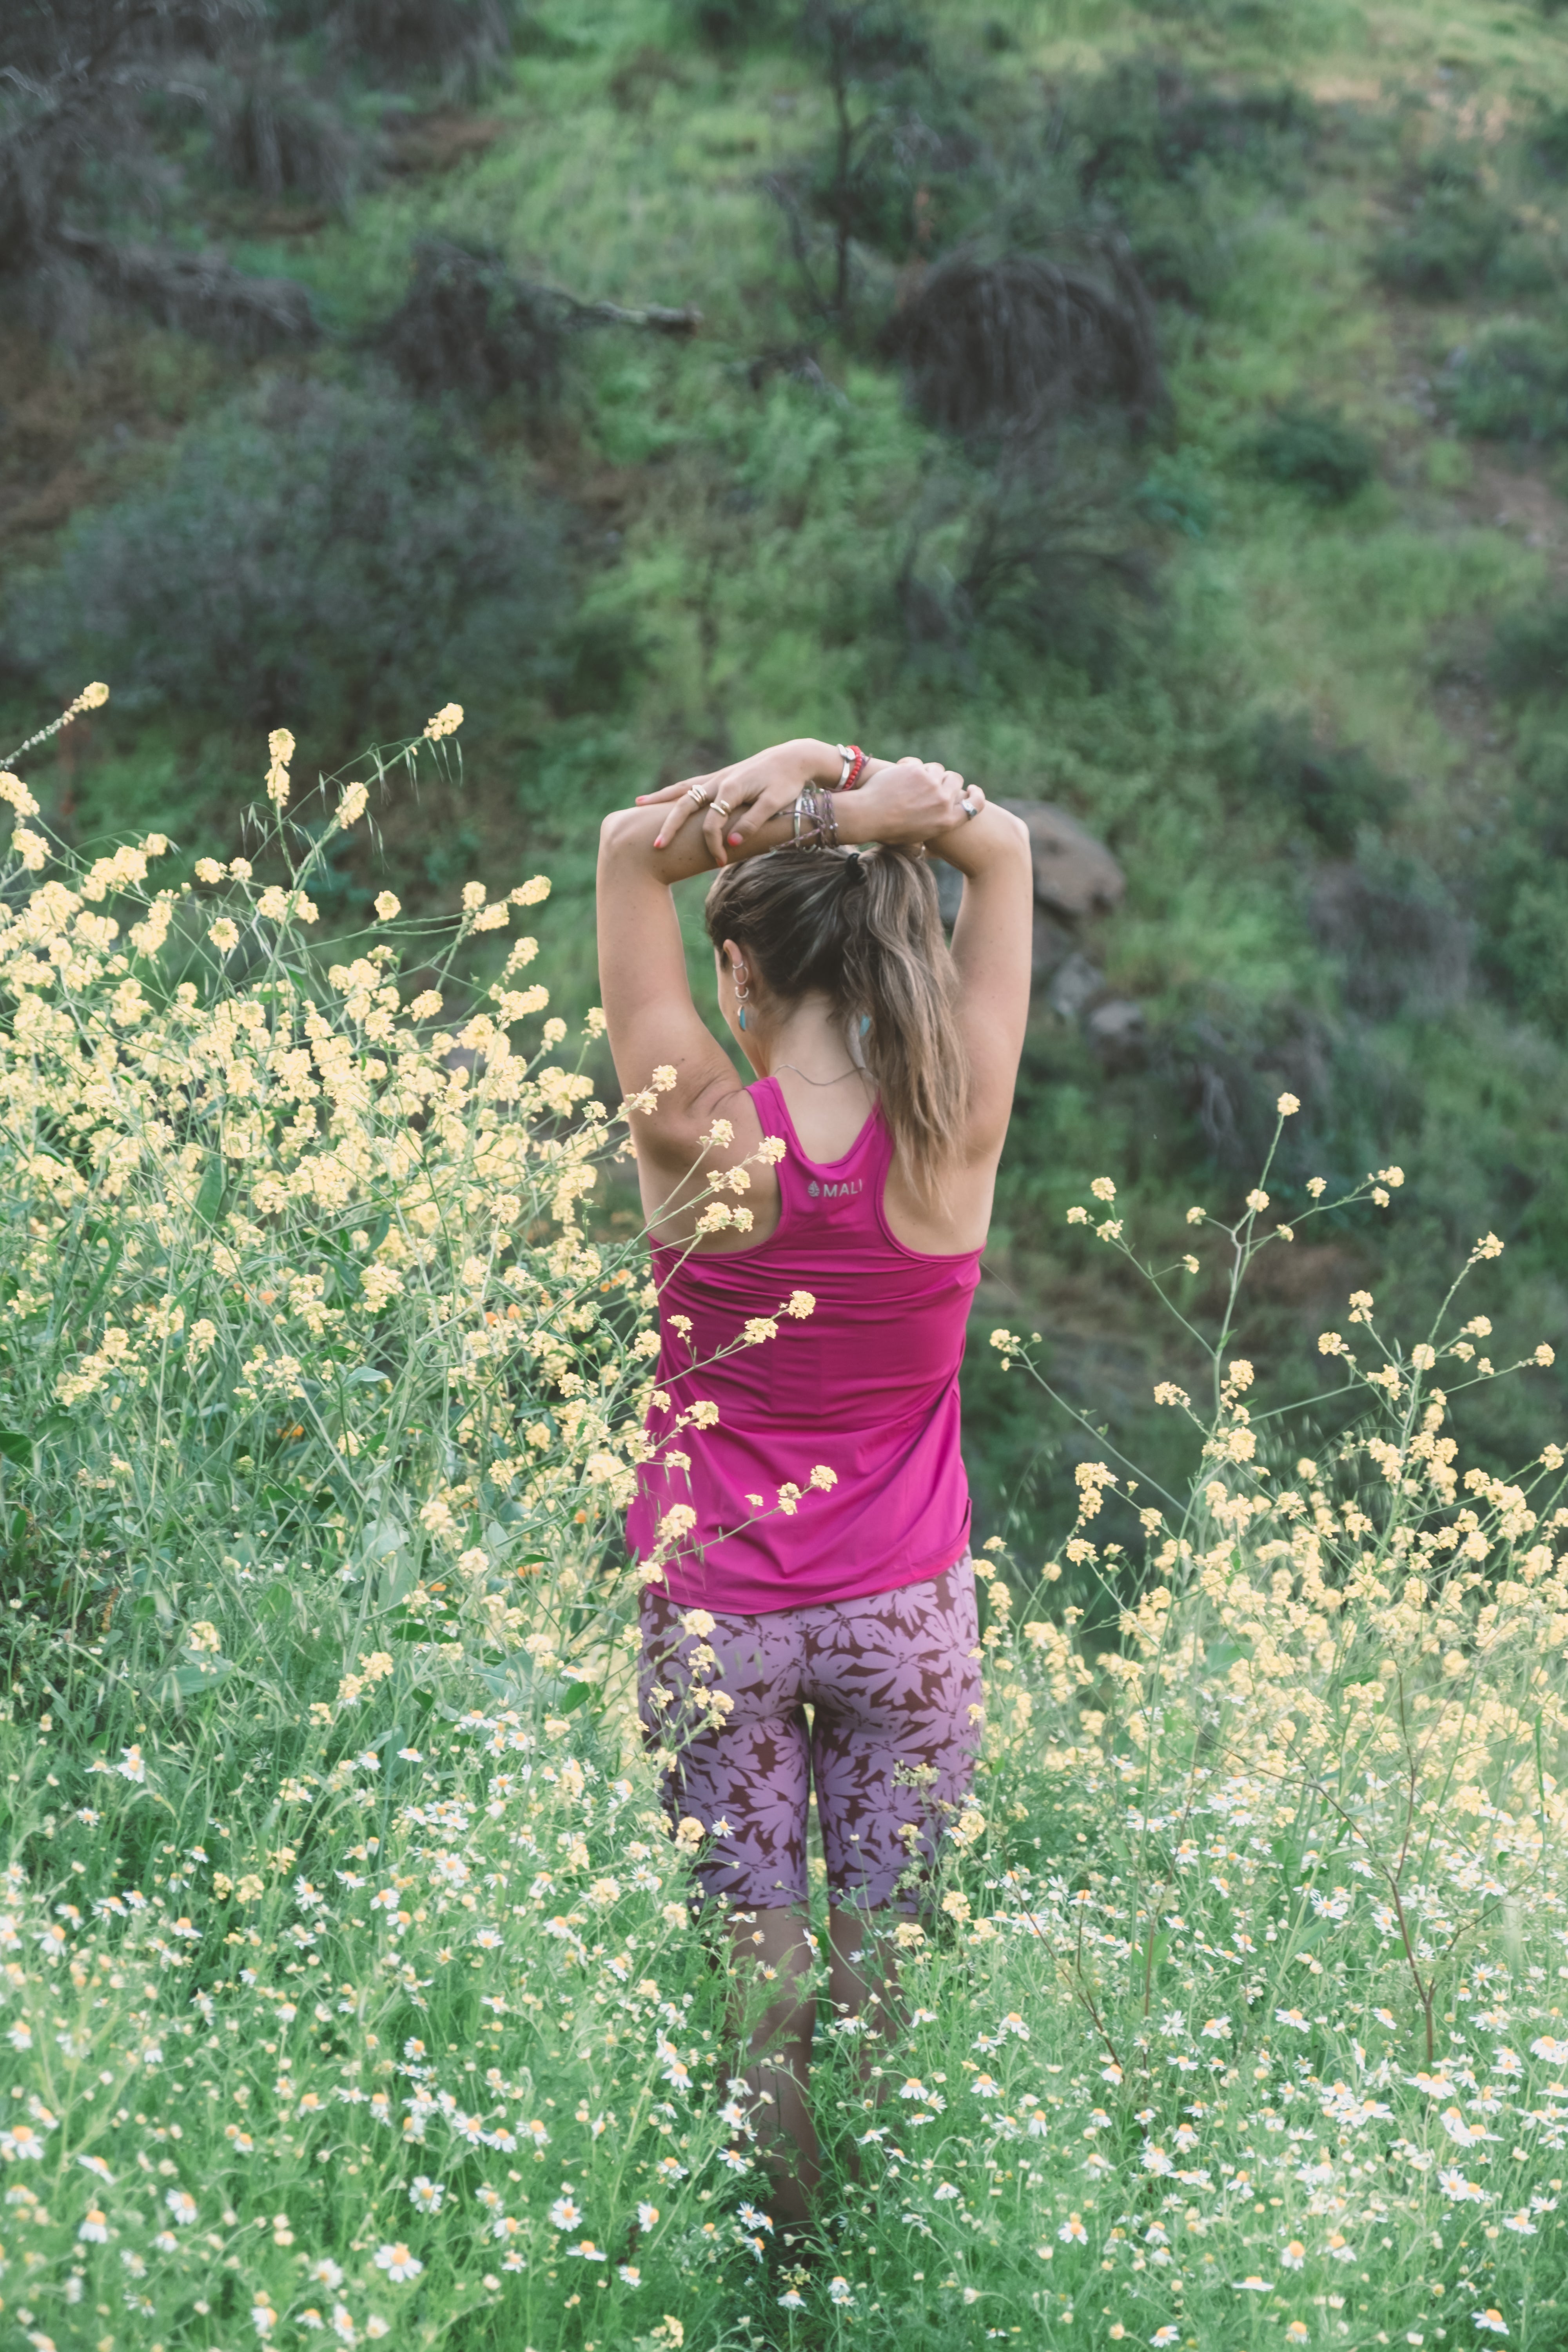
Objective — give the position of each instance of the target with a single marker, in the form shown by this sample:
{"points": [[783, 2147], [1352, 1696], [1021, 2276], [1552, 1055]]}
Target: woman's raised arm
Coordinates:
{"points": [[993, 941], [652, 1020]]}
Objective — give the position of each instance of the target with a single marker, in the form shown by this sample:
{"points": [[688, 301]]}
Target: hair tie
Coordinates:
{"points": [[853, 867]]}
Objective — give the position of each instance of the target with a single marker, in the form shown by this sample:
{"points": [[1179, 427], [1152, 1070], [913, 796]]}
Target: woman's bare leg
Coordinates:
{"points": [[860, 1981], [863, 1979], [778, 2058]]}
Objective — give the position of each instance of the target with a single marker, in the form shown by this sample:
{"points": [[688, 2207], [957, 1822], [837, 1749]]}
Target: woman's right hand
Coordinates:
{"points": [[913, 801], [752, 792]]}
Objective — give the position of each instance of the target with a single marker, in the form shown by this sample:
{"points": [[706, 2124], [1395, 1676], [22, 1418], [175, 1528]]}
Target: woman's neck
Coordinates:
{"points": [[809, 1041]]}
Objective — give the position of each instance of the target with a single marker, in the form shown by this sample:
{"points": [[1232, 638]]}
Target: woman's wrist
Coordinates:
{"points": [[828, 765], [821, 762], [991, 838]]}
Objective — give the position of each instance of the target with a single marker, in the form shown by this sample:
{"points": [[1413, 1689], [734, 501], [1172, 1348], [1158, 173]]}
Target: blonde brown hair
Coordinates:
{"points": [[861, 928]]}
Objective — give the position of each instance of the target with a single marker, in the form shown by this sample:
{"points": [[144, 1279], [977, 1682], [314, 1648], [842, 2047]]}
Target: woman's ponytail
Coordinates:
{"points": [[861, 928]]}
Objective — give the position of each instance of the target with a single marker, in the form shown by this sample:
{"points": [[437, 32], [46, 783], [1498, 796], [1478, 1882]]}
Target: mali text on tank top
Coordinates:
{"points": [[865, 1387]]}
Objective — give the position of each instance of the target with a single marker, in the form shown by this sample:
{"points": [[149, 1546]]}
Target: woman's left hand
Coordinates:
{"points": [[735, 802]]}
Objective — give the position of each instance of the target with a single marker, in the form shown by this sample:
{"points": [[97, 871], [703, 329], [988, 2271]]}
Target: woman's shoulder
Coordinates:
{"points": [[709, 1176], [954, 1225]]}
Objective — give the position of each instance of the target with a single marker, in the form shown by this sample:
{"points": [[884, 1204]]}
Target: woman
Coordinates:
{"points": [[886, 1065]]}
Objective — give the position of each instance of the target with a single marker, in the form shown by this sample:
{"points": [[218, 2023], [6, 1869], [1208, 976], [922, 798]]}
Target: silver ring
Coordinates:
{"points": [[695, 793], [719, 808], [969, 808]]}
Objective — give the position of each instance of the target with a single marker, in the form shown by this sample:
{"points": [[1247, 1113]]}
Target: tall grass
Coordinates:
{"points": [[353, 1988]]}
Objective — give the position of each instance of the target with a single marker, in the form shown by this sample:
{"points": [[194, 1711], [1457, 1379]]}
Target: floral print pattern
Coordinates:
{"points": [[894, 1685]]}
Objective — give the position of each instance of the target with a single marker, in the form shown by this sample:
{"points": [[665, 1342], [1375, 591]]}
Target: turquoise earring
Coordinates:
{"points": [[742, 1016], [865, 1023]]}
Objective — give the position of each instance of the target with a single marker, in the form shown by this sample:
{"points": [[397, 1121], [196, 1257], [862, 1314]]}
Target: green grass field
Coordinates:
{"points": [[352, 1987]]}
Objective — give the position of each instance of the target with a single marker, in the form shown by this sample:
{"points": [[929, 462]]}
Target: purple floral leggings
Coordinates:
{"points": [[894, 1684]]}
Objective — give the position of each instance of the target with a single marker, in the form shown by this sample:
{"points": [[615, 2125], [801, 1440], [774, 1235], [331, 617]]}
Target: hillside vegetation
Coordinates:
{"points": [[1154, 413]]}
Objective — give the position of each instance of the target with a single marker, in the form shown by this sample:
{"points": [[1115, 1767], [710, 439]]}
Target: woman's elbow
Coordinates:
{"points": [[1017, 832], [618, 833]]}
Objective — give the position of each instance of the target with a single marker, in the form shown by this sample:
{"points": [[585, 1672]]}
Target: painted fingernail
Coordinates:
{"points": [[734, 841]]}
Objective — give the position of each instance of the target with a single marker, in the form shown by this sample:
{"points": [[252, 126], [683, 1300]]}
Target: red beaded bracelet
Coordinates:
{"points": [[854, 767]]}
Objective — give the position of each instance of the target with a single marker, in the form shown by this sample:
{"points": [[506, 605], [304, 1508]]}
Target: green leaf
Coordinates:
{"points": [[209, 1197], [101, 1285], [189, 1680], [16, 1447], [399, 1575], [575, 1696]]}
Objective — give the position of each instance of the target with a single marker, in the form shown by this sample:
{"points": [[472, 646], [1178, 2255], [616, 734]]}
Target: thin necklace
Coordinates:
{"points": [[823, 1082]]}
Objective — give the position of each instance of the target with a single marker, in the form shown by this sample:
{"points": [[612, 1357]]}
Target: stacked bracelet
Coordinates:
{"points": [[815, 806], [853, 768]]}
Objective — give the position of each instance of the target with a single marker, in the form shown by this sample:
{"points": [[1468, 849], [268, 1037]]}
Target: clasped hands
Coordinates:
{"points": [[906, 801]]}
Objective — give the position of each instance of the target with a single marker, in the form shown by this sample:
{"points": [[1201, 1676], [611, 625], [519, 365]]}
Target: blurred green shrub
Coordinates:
{"points": [[1313, 450], [904, 189], [862, 39], [1456, 238], [1039, 560], [1402, 945], [1020, 339], [458, 42], [1175, 494], [730, 25], [1333, 794], [1547, 147], [1511, 384], [1530, 654], [1168, 157], [331, 555], [467, 325], [1522, 894], [1148, 119], [1527, 942], [869, 180], [270, 131]]}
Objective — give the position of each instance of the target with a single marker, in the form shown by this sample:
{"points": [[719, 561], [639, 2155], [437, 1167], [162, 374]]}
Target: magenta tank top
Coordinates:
{"points": [[867, 1386]]}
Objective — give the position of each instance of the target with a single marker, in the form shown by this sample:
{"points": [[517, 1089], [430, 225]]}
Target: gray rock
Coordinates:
{"points": [[1050, 947], [1118, 1032], [1075, 874], [1078, 984]]}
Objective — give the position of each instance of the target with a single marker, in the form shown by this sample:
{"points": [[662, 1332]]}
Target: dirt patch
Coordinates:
{"points": [[439, 140], [1346, 89], [1513, 497], [240, 216]]}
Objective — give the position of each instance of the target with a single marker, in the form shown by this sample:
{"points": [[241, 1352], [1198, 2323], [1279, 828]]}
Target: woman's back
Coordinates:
{"points": [[861, 1381]]}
